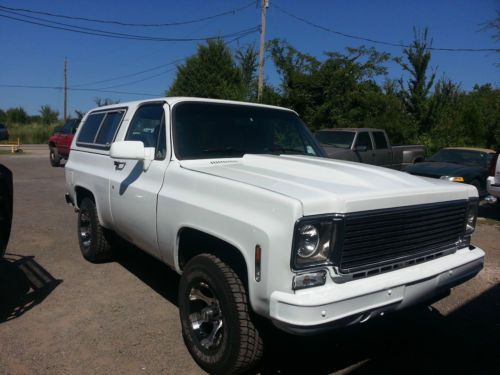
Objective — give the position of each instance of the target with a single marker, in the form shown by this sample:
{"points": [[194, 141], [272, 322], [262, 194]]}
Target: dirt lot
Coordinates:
{"points": [[62, 315]]}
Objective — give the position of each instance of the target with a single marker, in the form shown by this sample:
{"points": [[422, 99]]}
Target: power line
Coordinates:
{"points": [[140, 80], [131, 74], [108, 34], [375, 41], [177, 23], [154, 68], [77, 89], [107, 89]]}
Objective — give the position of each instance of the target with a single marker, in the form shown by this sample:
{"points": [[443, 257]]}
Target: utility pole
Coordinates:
{"points": [[260, 84], [65, 88]]}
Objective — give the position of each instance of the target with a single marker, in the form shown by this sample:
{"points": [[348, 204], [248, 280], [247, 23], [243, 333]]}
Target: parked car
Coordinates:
{"points": [[6, 197], [370, 146], [493, 181], [4, 133], [458, 164], [60, 141], [239, 199]]}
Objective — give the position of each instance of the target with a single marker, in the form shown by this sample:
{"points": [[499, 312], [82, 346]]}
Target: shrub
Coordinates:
{"points": [[30, 133]]}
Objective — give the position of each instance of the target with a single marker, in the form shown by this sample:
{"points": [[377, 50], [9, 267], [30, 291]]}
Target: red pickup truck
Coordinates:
{"points": [[60, 141]]}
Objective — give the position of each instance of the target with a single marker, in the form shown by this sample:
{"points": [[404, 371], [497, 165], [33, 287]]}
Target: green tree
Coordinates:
{"points": [[17, 115], [210, 73], [337, 92], [48, 115], [487, 101], [247, 62], [415, 92]]}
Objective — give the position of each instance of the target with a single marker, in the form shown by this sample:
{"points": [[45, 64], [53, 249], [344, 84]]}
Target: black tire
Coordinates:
{"points": [[94, 240], [236, 345], [55, 158], [6, 205]]}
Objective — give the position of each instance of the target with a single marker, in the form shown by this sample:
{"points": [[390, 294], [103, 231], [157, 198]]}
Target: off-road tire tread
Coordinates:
{"points": [[251, 345], [101, 241]]}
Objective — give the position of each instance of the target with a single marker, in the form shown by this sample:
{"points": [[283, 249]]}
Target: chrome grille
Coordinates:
{"points": [[375, 238]]}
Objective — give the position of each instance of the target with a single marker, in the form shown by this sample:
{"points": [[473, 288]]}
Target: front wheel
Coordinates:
{"points": [[216, 324], [93, 238], [55, 158]]}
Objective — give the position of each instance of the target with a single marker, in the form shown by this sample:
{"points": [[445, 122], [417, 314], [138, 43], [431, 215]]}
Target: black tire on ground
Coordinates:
{"points": [[94, 240], [215, 315], [6, 205], [55, 158]]}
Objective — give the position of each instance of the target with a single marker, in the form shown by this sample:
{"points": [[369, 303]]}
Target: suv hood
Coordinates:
{"points": [[332, 186]]}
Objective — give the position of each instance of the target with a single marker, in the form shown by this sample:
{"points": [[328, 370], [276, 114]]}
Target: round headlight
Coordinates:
{"points": [[308, 241]]}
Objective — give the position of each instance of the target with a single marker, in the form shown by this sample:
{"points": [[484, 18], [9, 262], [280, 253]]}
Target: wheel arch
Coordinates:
{"points": [[192, 241], [81, 193]]}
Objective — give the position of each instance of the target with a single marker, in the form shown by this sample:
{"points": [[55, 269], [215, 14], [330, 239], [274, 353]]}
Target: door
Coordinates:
{"points": [[134, 185], [383, 154], [363, 148]]}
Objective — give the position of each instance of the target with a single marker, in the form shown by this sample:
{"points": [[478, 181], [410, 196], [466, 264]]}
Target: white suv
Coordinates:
{"points": [[239, 199], [493, 181]]}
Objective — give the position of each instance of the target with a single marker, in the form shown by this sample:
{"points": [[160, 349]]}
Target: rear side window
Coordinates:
{"points": [[108, 128], [380, 141], [100, 128], [90, 128]]}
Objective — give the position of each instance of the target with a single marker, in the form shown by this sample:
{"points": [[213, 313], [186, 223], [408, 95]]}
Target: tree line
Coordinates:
{"points": [[352, 89]]}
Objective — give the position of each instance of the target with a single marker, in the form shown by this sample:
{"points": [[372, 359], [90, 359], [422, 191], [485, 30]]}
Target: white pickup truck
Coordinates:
{"points": [[239, 199]]}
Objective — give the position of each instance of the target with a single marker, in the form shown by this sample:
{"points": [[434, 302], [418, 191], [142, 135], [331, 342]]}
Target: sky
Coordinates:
{"points": [[32, 55]]}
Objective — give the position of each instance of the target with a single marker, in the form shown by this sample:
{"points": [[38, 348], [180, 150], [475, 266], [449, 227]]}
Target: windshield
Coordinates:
{"points": [[470, 158], [341, 139], [213, 130]]}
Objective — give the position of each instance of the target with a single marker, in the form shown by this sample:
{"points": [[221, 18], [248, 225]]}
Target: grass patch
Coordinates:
{"points": [[30, 133]]}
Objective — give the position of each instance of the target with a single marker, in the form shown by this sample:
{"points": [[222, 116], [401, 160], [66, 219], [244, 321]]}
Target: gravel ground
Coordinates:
{"points": [[62, 315]]}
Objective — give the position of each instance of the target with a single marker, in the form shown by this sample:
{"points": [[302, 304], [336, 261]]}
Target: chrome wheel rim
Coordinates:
{"points": [[205, 316], [85, 229]]}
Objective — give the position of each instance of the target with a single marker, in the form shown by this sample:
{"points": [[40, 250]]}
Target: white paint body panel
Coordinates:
{"points": [[257, 199], [493, 182]]}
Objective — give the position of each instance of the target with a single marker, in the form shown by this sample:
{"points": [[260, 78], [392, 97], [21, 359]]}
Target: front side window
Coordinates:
{"points": [[364, 140], [213, 130], [148, 127]]}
